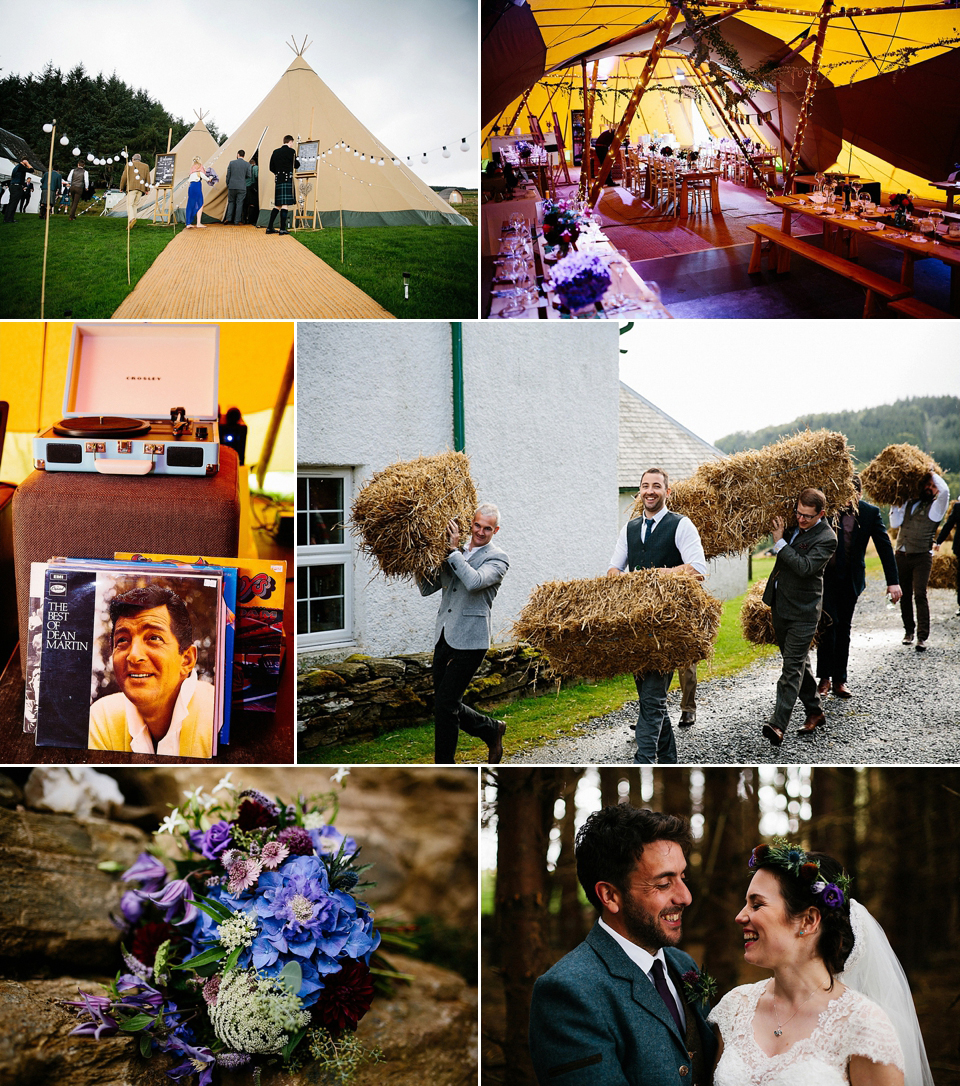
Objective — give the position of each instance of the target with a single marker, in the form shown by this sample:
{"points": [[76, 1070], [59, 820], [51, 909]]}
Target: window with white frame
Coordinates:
{"points": [[324, 559]]}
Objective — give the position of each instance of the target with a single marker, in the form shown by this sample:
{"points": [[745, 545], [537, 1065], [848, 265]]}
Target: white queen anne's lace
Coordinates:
{"points": [[851, 1025]]}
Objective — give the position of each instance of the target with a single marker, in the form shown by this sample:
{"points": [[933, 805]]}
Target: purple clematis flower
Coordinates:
{"points": [[170, 898], [197, 1061], [148, 870], [136, 993], [328, 839], [99, 1023], [210, 843]]}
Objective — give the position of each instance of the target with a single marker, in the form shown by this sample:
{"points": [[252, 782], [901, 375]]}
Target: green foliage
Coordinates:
{"points": [[441, 260], [932, 423], [99, 114]]}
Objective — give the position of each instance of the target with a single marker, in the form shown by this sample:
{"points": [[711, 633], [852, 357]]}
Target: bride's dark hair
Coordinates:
{"points": [[836, 932]]}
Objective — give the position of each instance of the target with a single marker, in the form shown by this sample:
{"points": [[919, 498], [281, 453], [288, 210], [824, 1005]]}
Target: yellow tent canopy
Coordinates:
{"points": [[917, 110]]}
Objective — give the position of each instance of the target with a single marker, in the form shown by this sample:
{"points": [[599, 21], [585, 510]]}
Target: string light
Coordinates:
{"points": [[446, 153]]}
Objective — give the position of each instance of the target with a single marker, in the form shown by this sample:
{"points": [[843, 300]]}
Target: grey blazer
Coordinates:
{"points": [[596, 1020], [238, 174], [469, 586], [798, 574]]}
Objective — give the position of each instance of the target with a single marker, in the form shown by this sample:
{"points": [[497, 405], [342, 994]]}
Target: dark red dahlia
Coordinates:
{"points": [[345, 999], [147, 940], [809, 872], [297, 840], [254, 815]]}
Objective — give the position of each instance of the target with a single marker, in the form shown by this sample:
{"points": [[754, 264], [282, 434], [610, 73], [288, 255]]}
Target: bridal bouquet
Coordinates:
{"points": [[254, 950]]}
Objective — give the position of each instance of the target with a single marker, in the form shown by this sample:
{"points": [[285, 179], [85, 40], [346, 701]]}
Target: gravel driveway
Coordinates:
{"points": [[906, 705]]}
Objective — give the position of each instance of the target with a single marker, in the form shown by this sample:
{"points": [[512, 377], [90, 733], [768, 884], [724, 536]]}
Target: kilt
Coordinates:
{"points": [[283, 191]]}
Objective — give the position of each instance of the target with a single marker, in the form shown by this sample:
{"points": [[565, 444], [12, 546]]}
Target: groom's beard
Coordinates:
{"points": [[646, 930]]}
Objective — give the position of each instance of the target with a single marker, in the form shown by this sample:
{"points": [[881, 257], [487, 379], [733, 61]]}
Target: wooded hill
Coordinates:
{"points": [[932, 423], [99, 114]]}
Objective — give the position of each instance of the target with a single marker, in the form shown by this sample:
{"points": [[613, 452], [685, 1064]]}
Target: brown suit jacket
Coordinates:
{"points": [[130, 182]]}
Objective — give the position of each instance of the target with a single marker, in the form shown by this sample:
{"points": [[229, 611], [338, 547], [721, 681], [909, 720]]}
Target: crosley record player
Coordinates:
{"points": [[139, 399]]}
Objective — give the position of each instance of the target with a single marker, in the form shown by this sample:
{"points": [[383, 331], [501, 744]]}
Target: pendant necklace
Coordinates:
{"points": [[779, 1031]]}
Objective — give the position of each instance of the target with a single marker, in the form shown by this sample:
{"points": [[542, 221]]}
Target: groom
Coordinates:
{"points": [[614, 1012]]}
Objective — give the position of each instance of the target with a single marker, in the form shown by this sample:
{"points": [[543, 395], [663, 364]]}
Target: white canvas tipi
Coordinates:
{"points": [[349, 178], [197, 143]]}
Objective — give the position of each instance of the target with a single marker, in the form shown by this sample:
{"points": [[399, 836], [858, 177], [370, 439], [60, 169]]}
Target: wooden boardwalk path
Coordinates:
{"points": [[239, 272]]}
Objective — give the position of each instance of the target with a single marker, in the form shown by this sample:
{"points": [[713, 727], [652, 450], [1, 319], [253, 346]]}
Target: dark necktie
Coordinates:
{"points": [[660, 983], [647, 525]]}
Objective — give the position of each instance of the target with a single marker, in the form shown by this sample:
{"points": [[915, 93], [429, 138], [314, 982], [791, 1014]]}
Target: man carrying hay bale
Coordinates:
{"points": [[952, 525], [794, 594], [469, 581], [658, 539], [917, 522], [844, 578]]}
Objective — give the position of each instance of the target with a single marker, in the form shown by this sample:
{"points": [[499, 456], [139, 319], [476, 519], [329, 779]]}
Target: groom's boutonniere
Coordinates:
{"points": [[698, 987]]}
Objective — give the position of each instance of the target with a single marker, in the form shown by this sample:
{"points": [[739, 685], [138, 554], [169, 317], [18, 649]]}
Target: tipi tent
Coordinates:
{"points": [[197, 143], [349, 177], [886, 75]]}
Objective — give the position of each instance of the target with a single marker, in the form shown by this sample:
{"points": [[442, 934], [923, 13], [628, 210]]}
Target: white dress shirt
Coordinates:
{"points": [[936, 511], [644, 960], [687, 540]]}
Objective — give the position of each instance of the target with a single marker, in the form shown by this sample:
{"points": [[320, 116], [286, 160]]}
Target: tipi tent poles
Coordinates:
{"points": [[586, 159], [516, 116], [613, 150], [808, 96], [738, 138], [783, 139]]}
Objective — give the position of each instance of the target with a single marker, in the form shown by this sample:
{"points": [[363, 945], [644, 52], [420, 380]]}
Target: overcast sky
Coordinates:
{"points": [[408, 72], [718, 377]]}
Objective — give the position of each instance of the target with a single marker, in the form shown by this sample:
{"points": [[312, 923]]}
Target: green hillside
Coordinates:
{"points": [[932, 423]]}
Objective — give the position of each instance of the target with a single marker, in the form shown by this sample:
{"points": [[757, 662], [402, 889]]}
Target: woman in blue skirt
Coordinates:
{"points": [[195, 195]]}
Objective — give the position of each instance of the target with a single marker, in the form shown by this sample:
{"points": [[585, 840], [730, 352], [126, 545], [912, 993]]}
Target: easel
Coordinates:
{"points": [[163, 205], [562, 152], [163, 201], [302, 187]]}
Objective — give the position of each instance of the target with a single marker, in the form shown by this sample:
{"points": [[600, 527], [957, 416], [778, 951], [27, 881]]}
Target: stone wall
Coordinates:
{"points": [[363, 696], [56, 934]]}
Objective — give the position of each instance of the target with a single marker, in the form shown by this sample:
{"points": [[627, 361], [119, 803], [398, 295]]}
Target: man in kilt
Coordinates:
{"points": [[283, 162]]}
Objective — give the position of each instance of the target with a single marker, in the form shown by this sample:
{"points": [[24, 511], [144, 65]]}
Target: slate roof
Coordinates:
{"points": [[651, 438], [15, 149]]}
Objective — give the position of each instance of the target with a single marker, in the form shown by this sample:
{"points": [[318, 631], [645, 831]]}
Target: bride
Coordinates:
{"points": [[838, 1008]]}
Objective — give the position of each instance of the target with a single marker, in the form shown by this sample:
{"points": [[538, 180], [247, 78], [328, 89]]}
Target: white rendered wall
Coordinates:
{"points": [[540, 419]]}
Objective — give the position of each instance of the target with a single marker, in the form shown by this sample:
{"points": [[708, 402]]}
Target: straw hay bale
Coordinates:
{"points": [[649, 620], [733, 501], [401, 514], [756, 618], [943, 571], [894, 476]]}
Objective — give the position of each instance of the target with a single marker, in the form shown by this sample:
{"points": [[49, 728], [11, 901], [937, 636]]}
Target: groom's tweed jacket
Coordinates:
{"points": [[596, 1020]]}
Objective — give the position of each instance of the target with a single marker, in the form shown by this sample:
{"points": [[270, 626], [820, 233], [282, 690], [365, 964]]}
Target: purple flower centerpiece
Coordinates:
{"points": [[255, 948], [561, 224], [580, 280], [524, 149], [211, 176]]}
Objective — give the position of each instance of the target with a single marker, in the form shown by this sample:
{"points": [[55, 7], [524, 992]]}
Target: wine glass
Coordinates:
{"points": [[651, 306], [619, 262], [936, 217]]}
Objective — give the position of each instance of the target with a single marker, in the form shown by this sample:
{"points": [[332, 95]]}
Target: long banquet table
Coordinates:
{"points": [[839, 229], [641, 301]]}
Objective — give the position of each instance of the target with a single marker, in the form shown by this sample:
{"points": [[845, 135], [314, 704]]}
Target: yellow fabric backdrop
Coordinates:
{"points": [[33, 368]]}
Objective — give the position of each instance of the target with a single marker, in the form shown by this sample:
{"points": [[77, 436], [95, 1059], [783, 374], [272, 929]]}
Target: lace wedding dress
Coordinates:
{"points": [[850, 1026]]}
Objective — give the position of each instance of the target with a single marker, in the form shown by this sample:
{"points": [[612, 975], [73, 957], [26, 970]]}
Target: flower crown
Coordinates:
{"points": [[791, 858]]}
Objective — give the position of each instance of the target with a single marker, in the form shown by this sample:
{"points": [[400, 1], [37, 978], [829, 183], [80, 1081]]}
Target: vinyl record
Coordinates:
{"points": [[102, 426]]}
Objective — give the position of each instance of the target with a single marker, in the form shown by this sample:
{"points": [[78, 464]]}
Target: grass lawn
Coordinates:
{"points": [[86, 264], [533, 720], [441, 260]]}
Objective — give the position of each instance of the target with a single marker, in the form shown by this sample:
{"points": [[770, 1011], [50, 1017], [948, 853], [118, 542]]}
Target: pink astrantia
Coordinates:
{"points": [[243, 874], [273, 854]]}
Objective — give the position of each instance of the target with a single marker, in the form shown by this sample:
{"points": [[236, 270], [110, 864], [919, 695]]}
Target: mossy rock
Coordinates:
{"points": [[319, 682]]}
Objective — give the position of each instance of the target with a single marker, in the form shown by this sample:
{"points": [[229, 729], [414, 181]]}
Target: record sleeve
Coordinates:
{"points": [[259, 644], [130, 659]]}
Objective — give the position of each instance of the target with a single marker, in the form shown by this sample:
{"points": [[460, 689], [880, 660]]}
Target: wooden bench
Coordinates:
{"points": [[873, 283], [913, 307]]}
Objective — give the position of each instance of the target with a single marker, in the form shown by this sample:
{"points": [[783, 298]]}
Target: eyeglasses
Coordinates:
{"points": [[806, 516]]}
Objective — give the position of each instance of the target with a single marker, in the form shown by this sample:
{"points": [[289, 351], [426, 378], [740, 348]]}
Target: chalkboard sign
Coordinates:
{"points": [[163, 175], [307, 154]]}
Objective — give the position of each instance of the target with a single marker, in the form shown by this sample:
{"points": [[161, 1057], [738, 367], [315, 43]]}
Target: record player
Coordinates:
{"points": [[139, 399]]}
